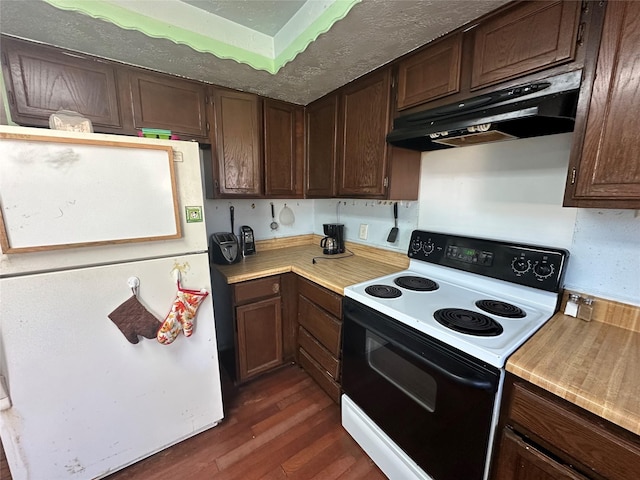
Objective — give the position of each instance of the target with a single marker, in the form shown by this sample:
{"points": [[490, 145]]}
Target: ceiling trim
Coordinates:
{"points": [[229, 47]]}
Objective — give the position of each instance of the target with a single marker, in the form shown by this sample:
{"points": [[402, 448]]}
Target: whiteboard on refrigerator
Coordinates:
{"points": [[70, 192]]}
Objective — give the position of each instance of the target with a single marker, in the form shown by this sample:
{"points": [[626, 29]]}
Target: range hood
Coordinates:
{"points": [[545, 107]]}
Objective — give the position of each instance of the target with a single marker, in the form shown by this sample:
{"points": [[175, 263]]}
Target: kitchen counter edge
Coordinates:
{"points": [[590, 364]]}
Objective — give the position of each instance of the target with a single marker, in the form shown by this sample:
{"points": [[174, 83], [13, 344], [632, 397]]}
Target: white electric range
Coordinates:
{"points": [[438, 333]]}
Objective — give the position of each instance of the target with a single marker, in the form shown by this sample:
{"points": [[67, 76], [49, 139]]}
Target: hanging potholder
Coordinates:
{"points": [[133, 319]]}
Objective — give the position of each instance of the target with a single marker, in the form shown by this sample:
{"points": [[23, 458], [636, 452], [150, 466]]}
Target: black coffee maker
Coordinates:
{"points": [[334, 240]]}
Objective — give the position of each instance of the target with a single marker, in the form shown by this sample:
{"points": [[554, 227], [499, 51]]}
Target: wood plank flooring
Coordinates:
{"points": [[279, 426]]}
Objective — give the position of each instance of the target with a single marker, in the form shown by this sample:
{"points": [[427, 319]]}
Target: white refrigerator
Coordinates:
{"points": [[78, 399]]}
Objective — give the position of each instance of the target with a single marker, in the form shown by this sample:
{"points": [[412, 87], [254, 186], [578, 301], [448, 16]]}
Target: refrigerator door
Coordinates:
{"points": [[84, 400], [189, 190]]}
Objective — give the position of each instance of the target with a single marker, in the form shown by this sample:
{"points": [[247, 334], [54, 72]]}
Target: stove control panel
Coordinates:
{"points": [[530, 265], [469, 255]]}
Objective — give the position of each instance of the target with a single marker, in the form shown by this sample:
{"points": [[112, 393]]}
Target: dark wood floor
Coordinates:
{"points": [[280, 426]]}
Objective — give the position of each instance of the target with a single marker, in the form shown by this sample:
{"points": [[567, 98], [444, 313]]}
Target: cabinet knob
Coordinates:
{"points": [[275, 287]]}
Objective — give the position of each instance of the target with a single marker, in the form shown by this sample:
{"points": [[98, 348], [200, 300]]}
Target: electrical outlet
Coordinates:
{"points": [[364, 231]]}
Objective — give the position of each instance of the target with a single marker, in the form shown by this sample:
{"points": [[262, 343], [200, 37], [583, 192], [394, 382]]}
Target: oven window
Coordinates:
{"points": [[407, 377]]}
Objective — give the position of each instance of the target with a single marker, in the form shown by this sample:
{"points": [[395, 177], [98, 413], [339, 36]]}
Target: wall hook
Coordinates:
{"points": [[134, 285]]}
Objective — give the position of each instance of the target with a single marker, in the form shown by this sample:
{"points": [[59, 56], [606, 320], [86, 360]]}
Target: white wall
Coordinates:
{"points": [[510, 191], [513, 191]]}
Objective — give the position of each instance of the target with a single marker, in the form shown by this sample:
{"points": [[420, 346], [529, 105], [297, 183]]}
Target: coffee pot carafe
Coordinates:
{"points": [[333, 242]]}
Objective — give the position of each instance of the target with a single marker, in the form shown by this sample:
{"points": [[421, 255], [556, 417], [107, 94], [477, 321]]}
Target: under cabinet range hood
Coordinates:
{"points": [[545, 107]]}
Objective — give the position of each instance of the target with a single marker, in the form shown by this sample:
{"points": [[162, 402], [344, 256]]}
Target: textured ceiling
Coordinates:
{"points": [[373, 33], [264, 16]]}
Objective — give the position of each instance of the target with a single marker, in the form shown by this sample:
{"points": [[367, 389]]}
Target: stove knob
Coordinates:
{"points": [[428, 247], [520, 265], [416, 245], [543, 270]]}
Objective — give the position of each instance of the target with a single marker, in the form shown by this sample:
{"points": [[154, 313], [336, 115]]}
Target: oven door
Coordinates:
{"points": [[434, 402]]}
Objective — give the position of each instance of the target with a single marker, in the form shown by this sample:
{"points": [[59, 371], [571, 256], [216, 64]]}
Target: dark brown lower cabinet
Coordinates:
{"points": [[520, 460], [258, 325], [546, 437], [319, 335]]}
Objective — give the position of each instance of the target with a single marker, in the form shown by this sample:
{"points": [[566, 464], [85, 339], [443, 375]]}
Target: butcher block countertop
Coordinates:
{"points": [[595, 365], [296, 254]]}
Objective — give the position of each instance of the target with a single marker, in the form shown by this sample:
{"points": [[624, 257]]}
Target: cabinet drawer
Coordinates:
{"points": [[580, 437], [255, 289], [326, 299], [325, 328], [519, 460], [318, 373], [319, 353]]}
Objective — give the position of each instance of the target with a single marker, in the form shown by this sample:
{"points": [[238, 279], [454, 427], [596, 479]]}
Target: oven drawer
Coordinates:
{"points": [[324, 327], [319, 353], [583, 439], [319, 374]]}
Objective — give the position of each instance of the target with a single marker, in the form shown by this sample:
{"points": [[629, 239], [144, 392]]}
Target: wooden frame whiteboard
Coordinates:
{"points": [[58, 192]]}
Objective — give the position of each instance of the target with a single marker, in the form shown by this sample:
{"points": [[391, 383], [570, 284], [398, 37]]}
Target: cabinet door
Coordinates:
{"points": [[283, 129], [364, 124], [238, 144], [165, 102], [606, 169], [527, 38], [259, 330], [321, 131], [520, 461], [431, 73], [41, 81]]}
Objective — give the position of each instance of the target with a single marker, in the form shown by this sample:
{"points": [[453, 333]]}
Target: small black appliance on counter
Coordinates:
{"points": [[247, 242], [334, 241], [223, 248]]}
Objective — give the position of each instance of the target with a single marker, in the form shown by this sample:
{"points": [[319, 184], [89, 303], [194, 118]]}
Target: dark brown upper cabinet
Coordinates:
{"points": [[238, 144], [364, 123], [168, 103], [526, 38], [321, 125], [432, 73], [367, 166], [283, 149], [604, 170], [42, 80]]}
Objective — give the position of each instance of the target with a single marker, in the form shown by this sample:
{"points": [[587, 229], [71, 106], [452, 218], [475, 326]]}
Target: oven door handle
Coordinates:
{"points": [[467, 381]]}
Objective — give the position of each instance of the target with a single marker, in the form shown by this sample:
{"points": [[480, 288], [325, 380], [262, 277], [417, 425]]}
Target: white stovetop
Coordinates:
{"points": [[461, 290]]}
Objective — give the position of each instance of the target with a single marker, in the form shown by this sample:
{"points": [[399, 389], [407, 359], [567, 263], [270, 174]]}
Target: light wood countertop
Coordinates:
{"points": [[595, 365], [334, 272]]}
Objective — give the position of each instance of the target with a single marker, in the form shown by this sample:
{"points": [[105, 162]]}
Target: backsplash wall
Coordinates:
{"points": [[257, 214], [512, 191], [376, 214], [508, 191], [311, 214]]}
